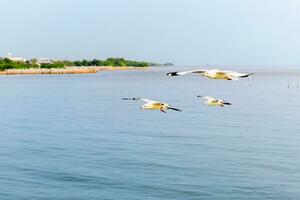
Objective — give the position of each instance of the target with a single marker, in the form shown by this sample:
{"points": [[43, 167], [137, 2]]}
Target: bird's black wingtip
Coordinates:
{"points": [[172, 74], [134, 98], [247, 75], [176, 109]]}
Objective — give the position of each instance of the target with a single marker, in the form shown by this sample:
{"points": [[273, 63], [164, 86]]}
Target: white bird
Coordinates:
{"points": [[211, 101], [154, 105], [214, 74]]}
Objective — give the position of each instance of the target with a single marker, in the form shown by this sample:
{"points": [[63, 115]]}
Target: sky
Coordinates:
{"points": [[185, 32]]}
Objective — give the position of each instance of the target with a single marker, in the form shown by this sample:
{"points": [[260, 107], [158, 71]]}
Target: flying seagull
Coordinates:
{"points": [[214, 74], [153, 105], [211, 101]]}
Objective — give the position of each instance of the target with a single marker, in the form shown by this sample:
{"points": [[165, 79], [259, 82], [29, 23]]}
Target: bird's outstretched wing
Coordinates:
{"points": [[186, 72], [209, 98], [142, 99], [234, 74]]}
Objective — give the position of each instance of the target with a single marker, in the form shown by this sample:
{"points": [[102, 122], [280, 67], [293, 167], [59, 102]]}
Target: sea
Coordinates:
{"points": [[71, 137]]}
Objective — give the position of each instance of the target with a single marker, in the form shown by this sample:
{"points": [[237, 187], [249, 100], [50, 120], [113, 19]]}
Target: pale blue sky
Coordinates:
{"points": [[232, 32]]}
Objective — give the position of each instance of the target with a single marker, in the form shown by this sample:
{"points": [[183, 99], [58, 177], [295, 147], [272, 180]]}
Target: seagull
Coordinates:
{"points": [[214, 74], [153, 105], [211, 101]]}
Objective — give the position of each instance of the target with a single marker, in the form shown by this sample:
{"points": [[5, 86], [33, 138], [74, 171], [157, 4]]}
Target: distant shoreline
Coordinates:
{"points": [[67, 70]]}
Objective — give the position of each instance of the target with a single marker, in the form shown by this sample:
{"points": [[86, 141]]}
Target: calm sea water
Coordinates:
{"points": [[71, 137]]}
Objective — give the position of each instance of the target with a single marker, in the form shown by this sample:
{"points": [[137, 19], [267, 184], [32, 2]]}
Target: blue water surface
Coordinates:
{"points": [[72, 137]]}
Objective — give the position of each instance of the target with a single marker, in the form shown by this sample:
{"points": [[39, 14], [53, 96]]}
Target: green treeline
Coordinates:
{"points": [[115, 62], [6, 63]]}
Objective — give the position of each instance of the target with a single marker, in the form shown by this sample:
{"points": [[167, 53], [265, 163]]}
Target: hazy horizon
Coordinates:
{"points": [[183, 32]]}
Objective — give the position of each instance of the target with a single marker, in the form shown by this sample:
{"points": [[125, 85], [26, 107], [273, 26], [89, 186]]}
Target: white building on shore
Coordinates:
{"points": [[44, 61], [16, 59]]}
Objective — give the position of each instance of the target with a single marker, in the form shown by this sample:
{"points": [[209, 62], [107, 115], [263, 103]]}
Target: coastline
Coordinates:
{"points": [[67, 70]]}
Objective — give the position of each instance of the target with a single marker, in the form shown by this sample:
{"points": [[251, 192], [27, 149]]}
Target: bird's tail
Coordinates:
{"points": [[227, 103]]}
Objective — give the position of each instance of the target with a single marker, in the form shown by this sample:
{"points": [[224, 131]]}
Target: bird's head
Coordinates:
{"points": [[207, 73], [165, 105]]}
